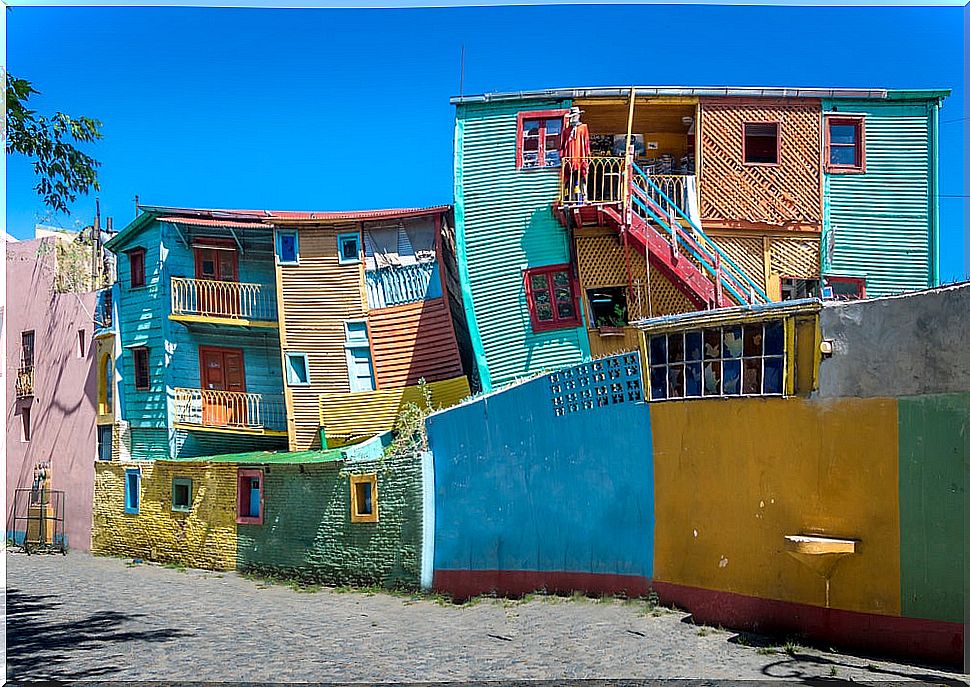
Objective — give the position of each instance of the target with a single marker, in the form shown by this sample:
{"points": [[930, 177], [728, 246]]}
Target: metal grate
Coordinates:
{"points": [[39, 520]]}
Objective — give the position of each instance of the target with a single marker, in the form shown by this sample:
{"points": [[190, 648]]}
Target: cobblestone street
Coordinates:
{"points": [[81, 617]]}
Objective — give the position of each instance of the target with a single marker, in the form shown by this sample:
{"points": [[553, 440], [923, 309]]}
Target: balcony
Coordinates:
{"points": [[229, 411], [25, 381], [389, 286], [202, 301]]}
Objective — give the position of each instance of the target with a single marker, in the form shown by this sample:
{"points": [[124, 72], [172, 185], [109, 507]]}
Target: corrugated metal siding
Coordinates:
{"points": [[877, 224], [353, 416], [505, 224], [413, 341], [318, 295]]}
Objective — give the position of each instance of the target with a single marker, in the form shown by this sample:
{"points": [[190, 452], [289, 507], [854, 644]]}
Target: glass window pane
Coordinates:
{"points": [[675, 378], [552, 156], [356, 332], [732, 342], [751, 381], [712, 343], [530, 159], [531, 127], [842, 155], [541, 297], [774, 338], [842, 133], [753, 335], [693, 381], [530, 144], [732, 377], [658, 349], [712, 378], [560, 279], [693, 347], [287, 248], [565, 310], [564, 295], [675, 347], [553, 126], [544, 312], [773, 375], [538, 281], [658, 382]]}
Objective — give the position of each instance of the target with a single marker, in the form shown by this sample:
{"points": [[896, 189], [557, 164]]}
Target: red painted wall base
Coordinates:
{"points": [[462, 584], [929, 640]]}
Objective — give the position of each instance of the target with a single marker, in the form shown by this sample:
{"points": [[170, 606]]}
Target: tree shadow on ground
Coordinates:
{"points": [[43, 643]]}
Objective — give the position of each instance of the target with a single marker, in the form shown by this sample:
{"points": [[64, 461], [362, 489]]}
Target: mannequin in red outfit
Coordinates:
{"points": [[574, 154]]}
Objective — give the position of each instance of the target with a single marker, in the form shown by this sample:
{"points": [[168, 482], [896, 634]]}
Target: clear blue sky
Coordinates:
{"points": [[344, 109]]}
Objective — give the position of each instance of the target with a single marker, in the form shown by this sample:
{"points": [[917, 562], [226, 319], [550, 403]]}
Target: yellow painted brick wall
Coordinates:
{"points": [[204, 537]]}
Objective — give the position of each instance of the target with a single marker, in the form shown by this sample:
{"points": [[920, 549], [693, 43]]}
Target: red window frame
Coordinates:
{"points": [[243, 477], [860, 282], [557, 322], [136, 267], [520, 131], [859, 166], [143, 377], [744, 145]]}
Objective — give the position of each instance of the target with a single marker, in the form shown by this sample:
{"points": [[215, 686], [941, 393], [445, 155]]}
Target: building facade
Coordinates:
{"points": [[727, 197]]}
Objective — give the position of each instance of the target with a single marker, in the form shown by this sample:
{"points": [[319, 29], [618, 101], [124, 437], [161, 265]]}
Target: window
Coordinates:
{"points": [[287, 248], [105, 385], [844, 288], [104, 442], [607, 306], [181, 494], [363, 498], [297, 369], [136, 267], [25, 424], [27, 349], [360, 370], [348, 248], [734, 360], [81, 343], [845, 149], [132, 489], [142, 375], [793, 288], [761, 143], [552, 298], [249, 504], [539, 139]]}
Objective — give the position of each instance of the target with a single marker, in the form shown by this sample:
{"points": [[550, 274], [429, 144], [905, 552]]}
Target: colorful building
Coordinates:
{"points": [[728, 196], [256, 330]]}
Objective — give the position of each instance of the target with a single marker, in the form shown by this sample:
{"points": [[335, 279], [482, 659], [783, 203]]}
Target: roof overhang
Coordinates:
{"points": [[723, 316]]}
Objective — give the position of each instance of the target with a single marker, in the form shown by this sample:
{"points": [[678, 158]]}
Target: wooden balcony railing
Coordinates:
{"points": [[25, 381], [229, 410], [389, 286], [224, 299]]}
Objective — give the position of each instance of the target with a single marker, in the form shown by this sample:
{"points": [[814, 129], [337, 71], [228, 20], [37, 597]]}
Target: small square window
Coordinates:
{"points": [[552, 298], [539, 139], [363, 498], [287, 248], [181, 494], [761, 143], [142, 372], [348, 248], [132, 490], [136, 267], [297, 369], [249, 503]]}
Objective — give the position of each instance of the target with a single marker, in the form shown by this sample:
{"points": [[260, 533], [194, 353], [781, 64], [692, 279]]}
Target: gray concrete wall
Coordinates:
{"points": [[905, 345]]}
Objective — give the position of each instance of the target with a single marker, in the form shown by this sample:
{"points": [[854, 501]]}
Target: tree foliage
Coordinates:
{"points": [[62, 170]]}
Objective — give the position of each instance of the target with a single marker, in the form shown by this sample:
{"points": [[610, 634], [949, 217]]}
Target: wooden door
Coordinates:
{"points": [[217, 265], [223, 369]]}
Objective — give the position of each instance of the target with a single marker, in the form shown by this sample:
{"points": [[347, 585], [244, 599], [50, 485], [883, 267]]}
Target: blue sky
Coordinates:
{"points": [[344, 109]]}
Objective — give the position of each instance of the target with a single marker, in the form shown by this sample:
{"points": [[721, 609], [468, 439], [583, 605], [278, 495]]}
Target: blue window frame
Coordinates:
{"points": [[348, 248], [132, 490], [287, 248], [297, 369]]}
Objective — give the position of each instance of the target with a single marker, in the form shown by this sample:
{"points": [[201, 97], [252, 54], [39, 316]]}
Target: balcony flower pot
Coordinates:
{"points": [[611, 331]]}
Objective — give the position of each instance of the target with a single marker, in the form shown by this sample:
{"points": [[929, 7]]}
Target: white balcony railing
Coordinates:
{"points": [[389, 286], [226, 299], [229, 410]]}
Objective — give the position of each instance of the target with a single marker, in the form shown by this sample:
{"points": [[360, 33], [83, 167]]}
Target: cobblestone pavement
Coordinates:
{"points": [[84, 617]]}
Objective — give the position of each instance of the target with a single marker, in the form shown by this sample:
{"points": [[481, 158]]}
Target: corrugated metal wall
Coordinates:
{"points": [[505, 224], [878, 224], [317, 296], [413, 341]]}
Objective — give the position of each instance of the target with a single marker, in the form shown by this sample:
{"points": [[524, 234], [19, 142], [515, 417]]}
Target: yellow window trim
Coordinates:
{"points": [[355, 514]]}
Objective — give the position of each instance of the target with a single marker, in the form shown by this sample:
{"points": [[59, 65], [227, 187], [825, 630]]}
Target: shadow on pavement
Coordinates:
{"points": [[44, 642]]}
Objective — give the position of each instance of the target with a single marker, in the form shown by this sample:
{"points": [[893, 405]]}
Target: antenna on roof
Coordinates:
{"points": [[461, 75], [136, 205]]}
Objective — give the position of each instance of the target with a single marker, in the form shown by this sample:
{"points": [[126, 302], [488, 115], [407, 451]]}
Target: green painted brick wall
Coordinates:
{"points": [[934, 452], [307, 532]]}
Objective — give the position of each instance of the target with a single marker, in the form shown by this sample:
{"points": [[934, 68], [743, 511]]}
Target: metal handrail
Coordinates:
{"points": [[229, 299], [25, 381], [228, 409]]}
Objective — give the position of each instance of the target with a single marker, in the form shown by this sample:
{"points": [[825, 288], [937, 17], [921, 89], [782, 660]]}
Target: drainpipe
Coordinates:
{"points": [[935, 194]]}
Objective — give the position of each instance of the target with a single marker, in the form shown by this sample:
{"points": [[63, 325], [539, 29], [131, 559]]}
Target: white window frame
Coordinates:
{"points": [[296, 245], [340, 252], [291, 378]]}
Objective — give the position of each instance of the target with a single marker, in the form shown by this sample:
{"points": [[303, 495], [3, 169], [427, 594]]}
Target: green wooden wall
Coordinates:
{"points": [[504, 224]]}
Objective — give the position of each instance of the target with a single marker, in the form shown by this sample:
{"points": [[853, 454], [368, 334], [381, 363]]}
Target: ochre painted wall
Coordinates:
{"points": [[733, 478], [204, 537]]}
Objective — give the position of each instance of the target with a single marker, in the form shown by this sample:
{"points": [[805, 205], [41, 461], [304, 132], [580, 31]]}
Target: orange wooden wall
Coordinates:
{"points": [[414, 341]]}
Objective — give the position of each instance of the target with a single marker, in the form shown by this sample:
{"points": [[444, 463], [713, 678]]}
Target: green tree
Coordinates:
{"points": [[62, 170]]}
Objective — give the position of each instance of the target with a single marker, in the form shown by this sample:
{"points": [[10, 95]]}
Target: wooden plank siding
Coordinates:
{"points": [[316, 297], [414, 341]]}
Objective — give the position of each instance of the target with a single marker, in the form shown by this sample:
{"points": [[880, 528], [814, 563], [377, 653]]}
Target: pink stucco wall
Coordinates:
{"points": [[62, 410]]}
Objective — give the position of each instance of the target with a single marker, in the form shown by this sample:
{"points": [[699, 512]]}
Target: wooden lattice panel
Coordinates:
{"points": [[774, 194], [747, 252], [795, 257], [602, 263]]}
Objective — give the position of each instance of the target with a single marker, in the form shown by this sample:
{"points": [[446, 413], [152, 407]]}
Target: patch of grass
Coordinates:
{"points": [[766, 651], [174, 566], [743, 641], [833, 671], [704, 631], [872, 666], [791, 648]]}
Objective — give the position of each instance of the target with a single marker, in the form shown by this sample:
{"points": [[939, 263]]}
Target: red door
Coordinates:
{"points": [[223, 369], [216, 265]]}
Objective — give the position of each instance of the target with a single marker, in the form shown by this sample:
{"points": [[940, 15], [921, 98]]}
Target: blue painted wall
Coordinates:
{"points": [[548, 475]]}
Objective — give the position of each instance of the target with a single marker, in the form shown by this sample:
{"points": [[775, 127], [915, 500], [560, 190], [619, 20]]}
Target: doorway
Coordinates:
{"points": [[221, 370], [218, 268]]}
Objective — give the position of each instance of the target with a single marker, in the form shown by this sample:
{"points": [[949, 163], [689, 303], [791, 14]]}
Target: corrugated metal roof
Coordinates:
{"points": [[203, 222], [704, 318], [697, 91], [267, 457], [219, 216]]}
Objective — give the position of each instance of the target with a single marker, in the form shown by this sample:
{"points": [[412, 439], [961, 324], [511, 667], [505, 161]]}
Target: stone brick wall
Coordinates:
{"points": [[204, 537], [307, 532]]}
